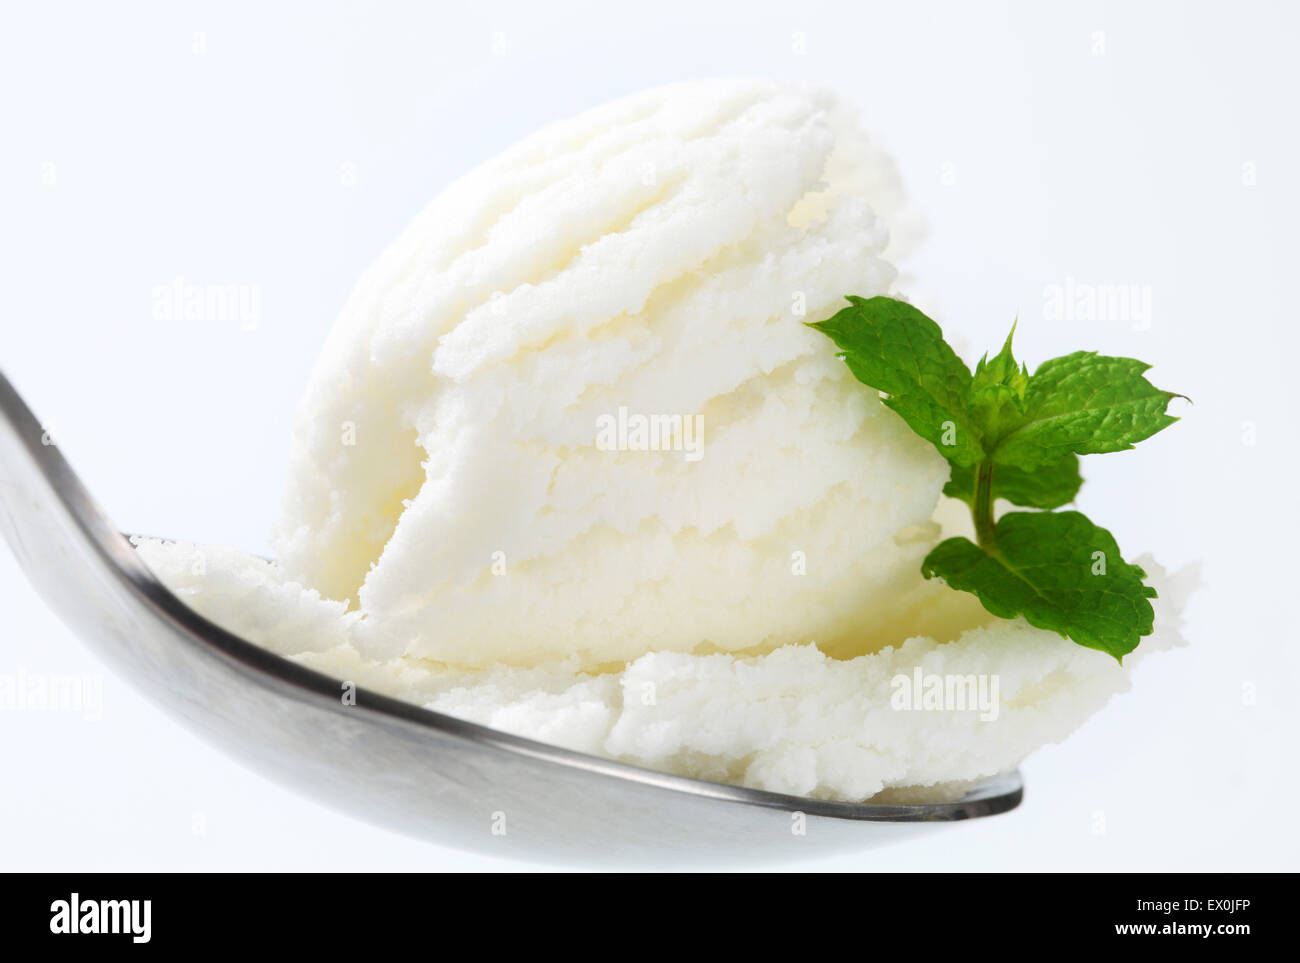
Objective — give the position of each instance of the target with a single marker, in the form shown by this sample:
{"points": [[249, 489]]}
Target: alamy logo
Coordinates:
{"points": [[946, 693], [129, 916], [24, 691], [184, 300], [1098, 301], [626, 431]]}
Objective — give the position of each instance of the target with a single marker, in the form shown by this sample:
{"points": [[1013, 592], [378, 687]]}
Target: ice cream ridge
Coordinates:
{"points": [[571, 464]]}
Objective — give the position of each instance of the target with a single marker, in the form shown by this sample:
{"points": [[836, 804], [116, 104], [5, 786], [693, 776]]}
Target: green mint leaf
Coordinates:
{"points": [[1049, 486], [996, 403], [892, 347], [1002, 370], [1058, 570], [1084, 403]]}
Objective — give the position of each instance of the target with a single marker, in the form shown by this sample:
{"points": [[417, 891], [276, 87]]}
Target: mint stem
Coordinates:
{"points": [[982, 505]]}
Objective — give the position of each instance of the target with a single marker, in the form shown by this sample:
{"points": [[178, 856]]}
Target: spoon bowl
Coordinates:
{"points": [[423, 773]]}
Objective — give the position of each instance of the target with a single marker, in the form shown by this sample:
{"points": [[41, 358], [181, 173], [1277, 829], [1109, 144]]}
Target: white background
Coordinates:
{"points": [[217, 143]]}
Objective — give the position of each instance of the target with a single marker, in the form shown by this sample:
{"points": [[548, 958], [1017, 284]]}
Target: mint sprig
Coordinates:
{"points": [[1016, 436]]}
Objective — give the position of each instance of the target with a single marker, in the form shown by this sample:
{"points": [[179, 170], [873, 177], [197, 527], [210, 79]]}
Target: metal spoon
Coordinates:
{"points": [[389, 762]]}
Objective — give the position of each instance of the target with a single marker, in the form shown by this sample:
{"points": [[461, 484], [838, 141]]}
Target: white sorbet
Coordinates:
{"points": [[653, 258], [473, 521]]}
